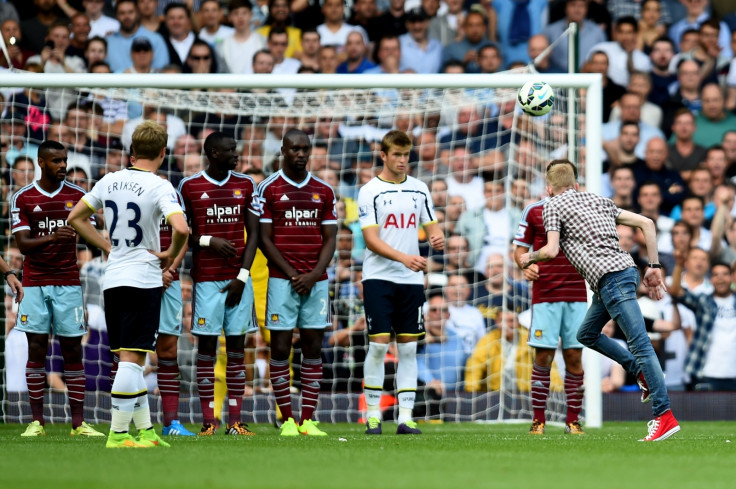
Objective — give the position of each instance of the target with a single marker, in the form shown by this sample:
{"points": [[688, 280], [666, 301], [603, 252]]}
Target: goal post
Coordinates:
{"points": [[368, 106]]}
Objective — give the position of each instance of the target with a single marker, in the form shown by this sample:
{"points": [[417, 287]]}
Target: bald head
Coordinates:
{"points": [[655, 153]]}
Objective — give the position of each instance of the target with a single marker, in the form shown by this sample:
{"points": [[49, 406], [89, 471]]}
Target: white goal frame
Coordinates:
{"points": [[592, 83]]}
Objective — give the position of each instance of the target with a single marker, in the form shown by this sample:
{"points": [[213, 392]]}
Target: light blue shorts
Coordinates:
{"points": [[552, 321], [171, 313], [210, 317], [52, 307], [286, 310]]}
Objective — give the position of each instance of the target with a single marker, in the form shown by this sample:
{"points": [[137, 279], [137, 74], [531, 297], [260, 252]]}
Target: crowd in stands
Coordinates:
{"points": [[669, 141]]}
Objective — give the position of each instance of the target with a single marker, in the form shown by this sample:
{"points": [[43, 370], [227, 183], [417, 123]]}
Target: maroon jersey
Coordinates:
{"points": [[558, 280], [297, 212], [42, 213], [217, 209], [165, 235]]}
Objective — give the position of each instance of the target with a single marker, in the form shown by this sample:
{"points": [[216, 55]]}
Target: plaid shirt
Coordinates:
{"points": [[623, 8], [587, 226], [706, 312]]}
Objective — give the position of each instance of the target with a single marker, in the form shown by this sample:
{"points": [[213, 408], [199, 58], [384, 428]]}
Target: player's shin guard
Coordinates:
{"points": [[311, 383], [75, 383], [36, 381], [125, 393], [574, 391], [406, 379], [168, 386], [206, 386], [235, 379], [540, 391], [281, 383], [373, 371]]}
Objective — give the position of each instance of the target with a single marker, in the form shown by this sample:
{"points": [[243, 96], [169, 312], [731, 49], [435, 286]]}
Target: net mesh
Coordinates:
{"points": [[463, 138]]}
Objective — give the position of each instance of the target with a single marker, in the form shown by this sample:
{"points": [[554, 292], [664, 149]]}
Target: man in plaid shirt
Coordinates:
{"points": [[710, 363], [584, 226]]}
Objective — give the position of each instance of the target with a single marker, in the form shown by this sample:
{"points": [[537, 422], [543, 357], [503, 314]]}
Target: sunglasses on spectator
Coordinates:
{"points": [[205, 57]]}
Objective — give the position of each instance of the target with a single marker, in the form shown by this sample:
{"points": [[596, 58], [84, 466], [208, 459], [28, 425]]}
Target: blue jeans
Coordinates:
{"points": [[616, 299]]}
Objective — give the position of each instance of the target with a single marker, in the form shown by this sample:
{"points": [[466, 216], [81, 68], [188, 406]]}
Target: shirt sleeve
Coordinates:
{"points": [[366, 208], [264, 205], [551, 217], [168, 201], [93, 199], [525, 232], [428, 214], [254, 206], [329, 214], [18, 216]]}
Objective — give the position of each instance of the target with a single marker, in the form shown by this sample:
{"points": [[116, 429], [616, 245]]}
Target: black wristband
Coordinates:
{"points": [[655, 265], [10, 272]]}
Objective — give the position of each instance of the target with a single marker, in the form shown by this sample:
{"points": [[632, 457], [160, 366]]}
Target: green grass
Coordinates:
{"points": [[448, 456]]}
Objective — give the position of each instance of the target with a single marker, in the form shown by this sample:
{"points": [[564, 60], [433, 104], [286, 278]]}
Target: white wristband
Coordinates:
{"points": [[243, 275], [204, 241]]}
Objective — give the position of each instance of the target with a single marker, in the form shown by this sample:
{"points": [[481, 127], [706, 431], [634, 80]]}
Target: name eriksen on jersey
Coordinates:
{"points": [[131, 186]]}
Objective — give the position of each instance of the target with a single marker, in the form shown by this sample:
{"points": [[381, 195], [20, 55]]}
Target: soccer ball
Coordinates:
{"points": [[536, 98]]}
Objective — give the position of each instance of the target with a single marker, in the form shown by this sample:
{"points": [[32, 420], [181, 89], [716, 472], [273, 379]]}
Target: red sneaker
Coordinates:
{"points": [[646, 395], [662, 427]]}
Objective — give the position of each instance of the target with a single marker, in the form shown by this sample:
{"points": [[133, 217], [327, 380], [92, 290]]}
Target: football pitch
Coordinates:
{"points": [[447, 456]]}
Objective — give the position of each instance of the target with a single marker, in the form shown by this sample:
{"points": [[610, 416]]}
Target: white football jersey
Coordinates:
{"points": [[134, 201], [398, 209]]}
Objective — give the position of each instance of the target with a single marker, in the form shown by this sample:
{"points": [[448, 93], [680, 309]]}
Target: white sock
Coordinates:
{"points": [[373, 372], [141, 410], [124, 394], [406, 379]]}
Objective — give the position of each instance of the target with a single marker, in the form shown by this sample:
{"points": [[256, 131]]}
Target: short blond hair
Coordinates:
{"points": [[561, 174], [396, 139], [149, 138]]}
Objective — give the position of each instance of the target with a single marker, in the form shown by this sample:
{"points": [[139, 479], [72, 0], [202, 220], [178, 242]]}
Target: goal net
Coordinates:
{"points": [[481, 157]]}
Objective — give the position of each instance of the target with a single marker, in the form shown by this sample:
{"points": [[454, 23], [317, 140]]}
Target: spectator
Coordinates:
{"points": [[328, 59], [590, 34], [670, 182], [201, 58], [235, 53], [641, 84], [365, 14], [463, 180], [708, 362], [428, 167], [684, 154], [11, 32], [689, 40], [455, 257], [181, 37], [716, 163], [649, 201], [335, 30], [630, 104], [486, 228], [465, 320], [729, 146], [623, 57], [388, 57], [723, 224], [392, 22], [80, 30], [623, 185], [100, 24], [694, 215], [504, 352], [489, 59], [212, 29], [119, 44], [612, 92], [419, 52], [695, 274], [701, 185], [95, 52], [14, 136], [685, 92], [151, 17], [731, 78], [36, 28], [697, 13], [713, 120], [54, 57], [707, 53], [663, 50], [536, 46], [439, 27], [467, 49], [8, 12], [516, 24], [498, 287], [141, 52], [620, 151], [356, 61], [278, 41], [310, 48], [651, 26], [279, 15]]}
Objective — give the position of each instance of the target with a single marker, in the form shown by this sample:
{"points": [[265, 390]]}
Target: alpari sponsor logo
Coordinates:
{"points": [[220, 214], [48, 226], [301, 217], [400, 221]]}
